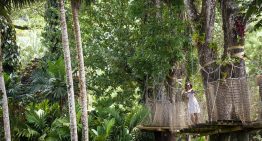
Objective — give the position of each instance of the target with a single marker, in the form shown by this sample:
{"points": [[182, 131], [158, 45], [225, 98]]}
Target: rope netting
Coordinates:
{"points": [[167, 111], [228, 99], [223, 99], [259, 104], [170, 110]]}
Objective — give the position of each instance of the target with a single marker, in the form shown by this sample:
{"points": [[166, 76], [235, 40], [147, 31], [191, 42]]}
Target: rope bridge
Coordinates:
{"points": [[225, 108]]}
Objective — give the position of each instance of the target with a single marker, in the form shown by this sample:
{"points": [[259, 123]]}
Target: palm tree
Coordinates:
{"points": [[67, 59], [75, 4], [5, 100]]}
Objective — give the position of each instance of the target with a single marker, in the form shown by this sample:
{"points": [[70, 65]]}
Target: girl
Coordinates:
{"points": [[193, 106]]}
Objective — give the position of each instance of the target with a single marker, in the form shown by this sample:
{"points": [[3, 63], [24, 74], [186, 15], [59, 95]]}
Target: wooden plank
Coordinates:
{"points": [[159, 128], [225, 130], [209, 128], [253, 125]]}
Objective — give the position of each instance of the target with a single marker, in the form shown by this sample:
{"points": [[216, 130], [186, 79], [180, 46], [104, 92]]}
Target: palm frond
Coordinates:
{"points": [[18, 3], [57, 68], [37, 118], [109, 125], [28, 133], [7, 5], [5, 11]]}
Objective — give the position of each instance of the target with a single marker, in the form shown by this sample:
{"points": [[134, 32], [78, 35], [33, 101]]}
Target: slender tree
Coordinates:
{"points": [[67, 59], [4, 98], [82, 79]]}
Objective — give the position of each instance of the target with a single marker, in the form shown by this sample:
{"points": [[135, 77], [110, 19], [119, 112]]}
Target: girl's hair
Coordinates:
{"points": [[188, 84]]}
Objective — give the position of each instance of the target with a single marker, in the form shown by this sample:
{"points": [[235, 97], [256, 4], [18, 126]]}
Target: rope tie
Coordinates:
{"points": [[239, 55]]}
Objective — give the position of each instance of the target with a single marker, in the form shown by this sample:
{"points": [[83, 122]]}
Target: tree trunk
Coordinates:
{"points": [[206, 54], [4, 99], [82, 79], [233, 26], [69, 78], [234, 31], [203, 26]]}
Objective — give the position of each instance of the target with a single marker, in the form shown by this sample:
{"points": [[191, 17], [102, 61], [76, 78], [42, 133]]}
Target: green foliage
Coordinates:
{"points": [[123, 48], [192, 62], [157, 42], [60, 130], [124, 44], [18, 3], [103, 132], [37, 121], [137, 117], [112, 124], [9, 46], [50, 81], [43, 122], [30, 18], [253, 49], [253, 13], [46, 80], [7, 5], [52, 31], [201, 138]]}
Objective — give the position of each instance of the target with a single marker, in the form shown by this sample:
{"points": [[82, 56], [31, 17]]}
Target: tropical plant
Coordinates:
{"points": [[49, 82], [38, 119], [103, 132], [44, 121], [111, 124]]}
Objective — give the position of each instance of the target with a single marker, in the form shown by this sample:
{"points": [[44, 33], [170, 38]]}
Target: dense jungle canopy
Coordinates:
{"points": [[122, 51]]}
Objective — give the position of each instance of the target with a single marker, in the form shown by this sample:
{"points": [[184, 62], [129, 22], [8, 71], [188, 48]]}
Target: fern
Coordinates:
{"points": [[28, 132]]}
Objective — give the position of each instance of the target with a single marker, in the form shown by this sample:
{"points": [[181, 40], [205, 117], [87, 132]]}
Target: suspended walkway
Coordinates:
{"points": [[225, 108]]}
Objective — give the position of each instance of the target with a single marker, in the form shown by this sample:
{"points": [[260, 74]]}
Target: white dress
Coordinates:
{"points": [[193, 106]]}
